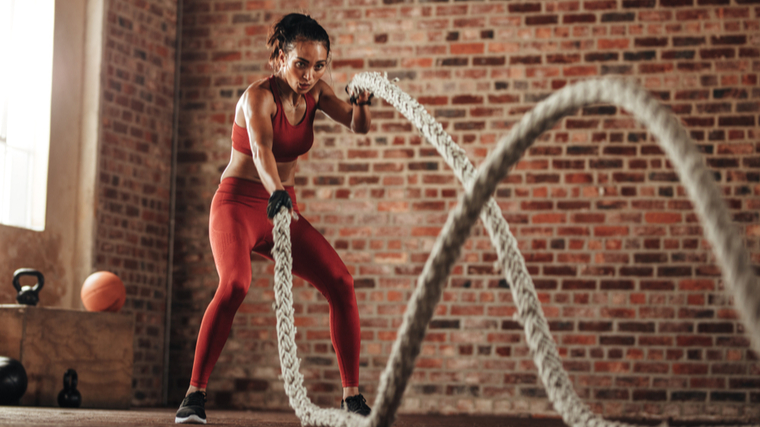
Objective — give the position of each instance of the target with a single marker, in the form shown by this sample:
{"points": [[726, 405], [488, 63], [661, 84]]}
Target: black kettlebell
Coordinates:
{"points": [[69, 397], [28, 295]]}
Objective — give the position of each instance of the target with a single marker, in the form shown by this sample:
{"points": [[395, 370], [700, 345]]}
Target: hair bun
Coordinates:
{"points": [[291, 28]]}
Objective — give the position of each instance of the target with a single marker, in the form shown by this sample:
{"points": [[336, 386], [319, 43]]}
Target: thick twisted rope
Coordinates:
{"points": [[477, 201]]}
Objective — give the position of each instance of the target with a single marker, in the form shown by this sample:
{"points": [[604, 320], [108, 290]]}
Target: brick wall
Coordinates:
{"points": [[133, 191], [627, 280]]}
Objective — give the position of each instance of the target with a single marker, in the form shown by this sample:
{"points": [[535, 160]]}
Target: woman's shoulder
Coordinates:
{"points": [[260, 91], [258, 95], [319, 89], [257, 98]]}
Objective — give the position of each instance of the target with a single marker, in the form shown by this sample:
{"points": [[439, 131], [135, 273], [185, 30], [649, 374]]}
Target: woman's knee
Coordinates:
{"points": [[342, 289], [232, 292]]}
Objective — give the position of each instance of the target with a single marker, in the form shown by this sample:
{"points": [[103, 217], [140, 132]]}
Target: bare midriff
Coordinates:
{"points": [[242, 166]]}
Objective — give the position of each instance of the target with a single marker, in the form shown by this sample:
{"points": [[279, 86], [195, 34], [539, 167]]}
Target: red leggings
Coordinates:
{"points": [[238, 224]]}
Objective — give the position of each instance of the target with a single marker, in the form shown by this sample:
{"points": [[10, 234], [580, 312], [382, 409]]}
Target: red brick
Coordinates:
{"points": [[467, 48], [614, 367], [606, 231], [349, 63], [467, 99], [694, 340], [656, 341], [651, 368], [457, 10], [541, 20], [586, 18], [433, 100], [610, 44], [524, 7], [620, 313], [466, 310], [580, 71], [690, 369], [662, 218]]}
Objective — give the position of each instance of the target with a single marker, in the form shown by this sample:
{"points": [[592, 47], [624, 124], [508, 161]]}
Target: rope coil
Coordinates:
{"points": [[477, 202]]}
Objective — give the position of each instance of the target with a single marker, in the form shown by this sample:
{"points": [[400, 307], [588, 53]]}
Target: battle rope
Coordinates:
{"points": [[476, 201]]}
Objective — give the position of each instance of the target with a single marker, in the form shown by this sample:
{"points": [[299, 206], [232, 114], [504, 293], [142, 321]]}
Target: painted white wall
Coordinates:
{"points": [[63, 252]]}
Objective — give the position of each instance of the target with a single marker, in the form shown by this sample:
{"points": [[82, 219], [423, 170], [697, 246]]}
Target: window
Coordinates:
{"points": [[26, 67]]}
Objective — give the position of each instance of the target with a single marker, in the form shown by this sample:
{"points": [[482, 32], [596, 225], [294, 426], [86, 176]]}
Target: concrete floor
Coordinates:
{"points": [[20, 416], [33, 417]]}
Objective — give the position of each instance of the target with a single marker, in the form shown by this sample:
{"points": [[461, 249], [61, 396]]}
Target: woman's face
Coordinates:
{"points": [[304, 65]]}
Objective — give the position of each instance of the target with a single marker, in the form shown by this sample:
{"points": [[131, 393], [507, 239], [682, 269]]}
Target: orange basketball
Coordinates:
{"points": [[103, 291]]}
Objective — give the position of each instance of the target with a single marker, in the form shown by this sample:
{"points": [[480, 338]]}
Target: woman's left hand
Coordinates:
{"points": [[363, 97], [356, 118]]}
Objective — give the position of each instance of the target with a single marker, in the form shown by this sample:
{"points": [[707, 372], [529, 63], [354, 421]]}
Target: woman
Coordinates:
{"points": [[274, 125]]}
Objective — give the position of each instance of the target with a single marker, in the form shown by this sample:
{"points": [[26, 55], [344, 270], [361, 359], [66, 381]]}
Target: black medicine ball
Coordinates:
{"points": [[12, 381]]}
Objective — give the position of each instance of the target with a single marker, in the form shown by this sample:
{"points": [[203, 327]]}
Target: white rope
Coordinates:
{"points": [[476, 201]]}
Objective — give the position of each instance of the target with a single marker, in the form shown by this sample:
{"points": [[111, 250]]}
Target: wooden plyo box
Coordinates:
{"points": [[48, 341]]}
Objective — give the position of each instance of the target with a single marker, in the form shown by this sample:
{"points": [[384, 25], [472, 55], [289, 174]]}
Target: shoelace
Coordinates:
{"points": [[195, 399], [355, 402]]}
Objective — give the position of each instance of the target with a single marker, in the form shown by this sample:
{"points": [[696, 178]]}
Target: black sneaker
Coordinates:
{"points": [[356, 404], [192, 411]]}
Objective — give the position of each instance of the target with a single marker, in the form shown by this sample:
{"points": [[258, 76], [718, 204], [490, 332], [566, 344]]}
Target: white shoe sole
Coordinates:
{"points": [[192, 419]]}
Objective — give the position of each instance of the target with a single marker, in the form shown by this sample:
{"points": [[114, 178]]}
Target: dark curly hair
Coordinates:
{"points": [[292, 28]]}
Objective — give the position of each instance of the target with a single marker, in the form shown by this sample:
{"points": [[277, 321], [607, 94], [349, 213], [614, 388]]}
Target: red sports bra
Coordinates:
{"points": [[288, 141]]}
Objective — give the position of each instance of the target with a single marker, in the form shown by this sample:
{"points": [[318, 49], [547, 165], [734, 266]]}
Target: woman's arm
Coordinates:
{"points": [[259, 125], [355, 117], [260, 135]]}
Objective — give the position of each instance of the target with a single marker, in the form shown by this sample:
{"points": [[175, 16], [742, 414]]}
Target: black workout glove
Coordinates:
{"points": [[278, 199], [353, 100]]}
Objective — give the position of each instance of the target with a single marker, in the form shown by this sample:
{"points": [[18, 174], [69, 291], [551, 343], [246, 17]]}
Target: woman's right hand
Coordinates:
{"points": [[278, 200]]}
